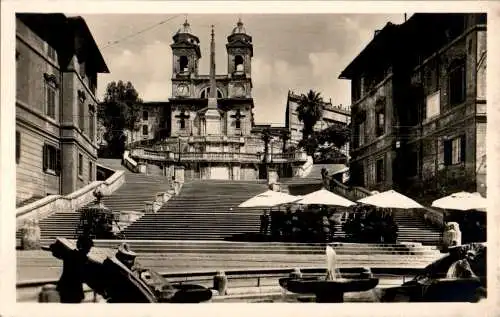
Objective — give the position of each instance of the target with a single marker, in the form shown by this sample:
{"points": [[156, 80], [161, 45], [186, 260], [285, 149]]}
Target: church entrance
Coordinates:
{"points": [[263, 171], [219, 172]]}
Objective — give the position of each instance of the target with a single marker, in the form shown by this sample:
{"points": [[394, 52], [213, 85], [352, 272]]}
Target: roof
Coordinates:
{"points": [[377, 48], [421, 34], [60, 31], [95, 54]]}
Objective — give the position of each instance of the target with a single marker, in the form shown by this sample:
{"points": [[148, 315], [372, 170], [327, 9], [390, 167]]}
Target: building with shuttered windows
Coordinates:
{"points": [[57, 62], [418, 93]]}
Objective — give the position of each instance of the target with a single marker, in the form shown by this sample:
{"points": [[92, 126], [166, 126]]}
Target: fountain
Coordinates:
{"points": [[332, 287], [112, 279]]}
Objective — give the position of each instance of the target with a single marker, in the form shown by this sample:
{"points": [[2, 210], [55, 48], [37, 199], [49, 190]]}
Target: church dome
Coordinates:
{"points": [[185, 29], [239, 29]]}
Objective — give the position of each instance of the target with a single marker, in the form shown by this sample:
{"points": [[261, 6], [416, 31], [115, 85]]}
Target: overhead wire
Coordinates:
{"points": [[111, 43]]}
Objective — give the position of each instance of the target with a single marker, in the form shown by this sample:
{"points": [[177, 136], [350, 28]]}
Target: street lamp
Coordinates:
{"points": [[179, 154]]}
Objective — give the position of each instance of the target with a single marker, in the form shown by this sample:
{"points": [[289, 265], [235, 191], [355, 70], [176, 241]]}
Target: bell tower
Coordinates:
{"points": [[239, 61], [239, 51], [185, 60]]}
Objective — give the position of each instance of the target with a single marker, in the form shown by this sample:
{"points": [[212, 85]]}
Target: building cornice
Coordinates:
{"points": [[479, 27]]}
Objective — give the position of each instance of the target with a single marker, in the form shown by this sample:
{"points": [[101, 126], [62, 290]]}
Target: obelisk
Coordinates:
{"points": [[212, 115]]}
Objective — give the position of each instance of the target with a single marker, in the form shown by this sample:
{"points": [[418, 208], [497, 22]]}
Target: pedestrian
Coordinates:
{"points": [[264, 223], [70, 284]]}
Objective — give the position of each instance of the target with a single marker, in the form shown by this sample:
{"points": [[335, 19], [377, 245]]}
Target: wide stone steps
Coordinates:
{"points": [[412, 229], [204, 210], [156, 246], [183, 256]]}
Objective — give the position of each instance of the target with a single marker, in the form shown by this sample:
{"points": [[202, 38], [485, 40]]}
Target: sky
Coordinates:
{"points": [[294, 52]]}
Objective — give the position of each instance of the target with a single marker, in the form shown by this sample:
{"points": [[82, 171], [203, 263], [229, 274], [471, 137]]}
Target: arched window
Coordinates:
{"points": [[183, 64], [145, 115], [205, 93], [238, 63]]}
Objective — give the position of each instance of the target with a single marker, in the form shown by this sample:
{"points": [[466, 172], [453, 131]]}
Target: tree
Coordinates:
{"points": [[120, 111], [309, 111], [285, 136]]}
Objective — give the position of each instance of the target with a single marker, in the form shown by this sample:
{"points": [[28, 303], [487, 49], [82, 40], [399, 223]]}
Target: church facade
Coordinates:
{"points": [[207, 126]]}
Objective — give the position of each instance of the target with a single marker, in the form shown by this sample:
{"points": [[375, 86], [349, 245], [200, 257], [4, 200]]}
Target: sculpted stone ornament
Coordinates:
{"points": [[118, 281], [30, 235]]}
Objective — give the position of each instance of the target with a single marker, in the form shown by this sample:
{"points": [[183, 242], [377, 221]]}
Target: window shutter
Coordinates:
{"points": [[447, 152], [58, 162], [18, 146], [463, 150], [45, 157]]}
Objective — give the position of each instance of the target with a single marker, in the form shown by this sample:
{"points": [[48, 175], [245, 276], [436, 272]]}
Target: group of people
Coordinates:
{"points": [[312, 224], [369, 224]]}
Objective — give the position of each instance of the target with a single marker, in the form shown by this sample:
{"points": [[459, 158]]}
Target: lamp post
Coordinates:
{"points": [[179, 149]]}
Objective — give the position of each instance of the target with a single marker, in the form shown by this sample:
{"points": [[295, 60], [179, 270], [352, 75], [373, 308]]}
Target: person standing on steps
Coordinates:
{"points": [[264, 222]]}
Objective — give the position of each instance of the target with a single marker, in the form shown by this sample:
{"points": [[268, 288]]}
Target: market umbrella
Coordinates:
{"points": [[325, 197], [462, 201], [269, 198], [390, 199]]}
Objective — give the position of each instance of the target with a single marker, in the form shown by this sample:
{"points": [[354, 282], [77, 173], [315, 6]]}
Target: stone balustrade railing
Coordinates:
{"points": [[49, 205], [129, 162]]}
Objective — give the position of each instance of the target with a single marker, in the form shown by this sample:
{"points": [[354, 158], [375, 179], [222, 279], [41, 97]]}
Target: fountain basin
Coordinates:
{"points": [[328, 291]]}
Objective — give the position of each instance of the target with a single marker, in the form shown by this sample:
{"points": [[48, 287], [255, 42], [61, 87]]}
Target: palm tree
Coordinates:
{"points": [[266, 137], [309, 111], [285, 136]]}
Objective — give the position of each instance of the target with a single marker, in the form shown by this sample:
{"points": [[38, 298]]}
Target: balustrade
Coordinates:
{"points": [[167, 155]]}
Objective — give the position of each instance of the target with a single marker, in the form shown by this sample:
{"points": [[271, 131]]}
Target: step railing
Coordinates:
{"points": [[129, 162], [49, 205]]}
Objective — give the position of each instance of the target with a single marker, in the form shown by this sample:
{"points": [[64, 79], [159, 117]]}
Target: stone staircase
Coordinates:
{"points": [[413, 229], [131, 196], [186, 256], [204, 210]]}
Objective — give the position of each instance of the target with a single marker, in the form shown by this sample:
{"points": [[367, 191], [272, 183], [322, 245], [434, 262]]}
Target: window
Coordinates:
{"points": [[238, 63], [145, 115], [51, 52], [51, 159], [81, 114], [182, 124], [238, 124], [91, 125], [361, 134], [454, 151], [18, 146], [91, 171], [380, 124], [183, 64], [457, 87], [433, 105], [205, 93], [145, 130], [380, 173], [80, 164], [50, 103]]}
